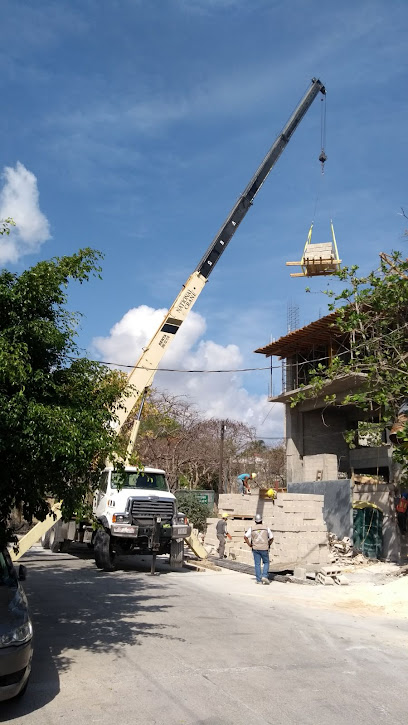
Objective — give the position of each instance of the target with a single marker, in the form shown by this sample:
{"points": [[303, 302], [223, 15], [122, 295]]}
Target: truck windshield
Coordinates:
{"points": [[155, 481]]}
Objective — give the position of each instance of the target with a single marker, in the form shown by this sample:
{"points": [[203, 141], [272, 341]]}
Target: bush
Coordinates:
{"points": [[195, 510]]}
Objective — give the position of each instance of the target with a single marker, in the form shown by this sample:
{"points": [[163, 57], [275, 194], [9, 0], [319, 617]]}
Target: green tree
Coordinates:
{"points": [[372, 316], [56, 408], [5, 225], [195, 510]]}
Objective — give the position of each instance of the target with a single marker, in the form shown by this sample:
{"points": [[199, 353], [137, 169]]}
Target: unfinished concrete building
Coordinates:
{"points": [[315, 443], [316, 451]]}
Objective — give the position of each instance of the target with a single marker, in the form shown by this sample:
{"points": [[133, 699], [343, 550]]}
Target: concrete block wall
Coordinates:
{"points": [[310, 434], [324, 434], [325, 463], [337, 494], [300, 534]]}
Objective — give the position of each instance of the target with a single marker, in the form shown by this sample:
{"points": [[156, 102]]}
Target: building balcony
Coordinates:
{"points": [[340, 387]]}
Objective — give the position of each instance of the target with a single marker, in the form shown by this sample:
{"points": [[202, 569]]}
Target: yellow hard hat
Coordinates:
{"points": [[224, 515], [253, 475], [271, 493]]}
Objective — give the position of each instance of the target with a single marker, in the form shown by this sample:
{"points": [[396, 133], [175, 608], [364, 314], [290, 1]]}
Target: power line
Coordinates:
{"points": [[246, 370], [174, 370]]}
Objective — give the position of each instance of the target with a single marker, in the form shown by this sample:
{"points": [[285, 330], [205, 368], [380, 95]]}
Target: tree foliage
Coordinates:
{"points": [[174, 436], [56, 408], [372, 315], [268, 462], [195, 510]]}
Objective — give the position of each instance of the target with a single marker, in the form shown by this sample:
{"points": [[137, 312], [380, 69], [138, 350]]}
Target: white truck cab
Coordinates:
{"points": [[136, 514], [116, 489]]}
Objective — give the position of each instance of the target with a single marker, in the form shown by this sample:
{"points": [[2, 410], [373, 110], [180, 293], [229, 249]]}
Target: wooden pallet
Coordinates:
{"points": [[318, 259]]}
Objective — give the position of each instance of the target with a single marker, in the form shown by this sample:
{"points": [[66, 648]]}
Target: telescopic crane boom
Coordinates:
{"points": [[141, 377]]}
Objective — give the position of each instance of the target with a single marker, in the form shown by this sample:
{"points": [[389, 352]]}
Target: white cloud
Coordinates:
{"points": [[217, 395], [19, 199]]}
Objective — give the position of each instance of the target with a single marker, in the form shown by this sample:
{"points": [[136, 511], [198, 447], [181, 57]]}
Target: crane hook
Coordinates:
{"points": [[322, 159]]}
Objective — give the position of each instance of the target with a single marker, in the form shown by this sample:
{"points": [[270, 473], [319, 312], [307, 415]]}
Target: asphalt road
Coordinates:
{"points": [[195, 648]]}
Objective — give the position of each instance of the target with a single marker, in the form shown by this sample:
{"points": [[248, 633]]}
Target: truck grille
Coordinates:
{"points": [[145, 509]]}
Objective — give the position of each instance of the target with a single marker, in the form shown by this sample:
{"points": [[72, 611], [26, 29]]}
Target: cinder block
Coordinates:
{"points": [[341, 580], [327, 581], [299, 573], [332, 570]]}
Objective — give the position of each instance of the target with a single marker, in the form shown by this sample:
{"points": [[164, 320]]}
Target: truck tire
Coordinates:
{"points": [[177, 553], [45, 540], [54, 542], [104, 556], [65, 546]]}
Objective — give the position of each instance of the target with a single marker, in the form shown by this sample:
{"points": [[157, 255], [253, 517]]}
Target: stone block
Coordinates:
{"points": [[299, 572]]}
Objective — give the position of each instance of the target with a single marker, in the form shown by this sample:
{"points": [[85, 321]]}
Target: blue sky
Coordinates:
{"points": [[139, 124]]}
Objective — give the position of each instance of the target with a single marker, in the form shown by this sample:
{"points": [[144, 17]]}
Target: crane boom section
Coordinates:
{"points": [[141, 377], [224, 235]]}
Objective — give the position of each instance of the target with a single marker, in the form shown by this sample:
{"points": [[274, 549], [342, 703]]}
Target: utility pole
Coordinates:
{"points": [[220, 475]]}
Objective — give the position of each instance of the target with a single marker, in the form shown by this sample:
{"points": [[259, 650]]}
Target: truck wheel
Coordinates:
{"points": [[45, 540], [65, 546], [54, 542], [177, 553], [104, 556]]}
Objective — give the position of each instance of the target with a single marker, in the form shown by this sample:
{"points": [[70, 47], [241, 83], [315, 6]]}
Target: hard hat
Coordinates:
{"points": [[258, 518], [270, 493], [224, 515], [253, 475]]}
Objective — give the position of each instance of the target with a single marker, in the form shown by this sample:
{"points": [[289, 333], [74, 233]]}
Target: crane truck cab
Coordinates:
{"points": [[137, 514]]}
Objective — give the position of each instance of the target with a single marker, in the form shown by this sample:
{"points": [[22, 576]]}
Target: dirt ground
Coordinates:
{"points": [[377, 589]]}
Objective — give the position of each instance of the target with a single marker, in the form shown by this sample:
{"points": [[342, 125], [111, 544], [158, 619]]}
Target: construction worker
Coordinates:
{"points": [[222, 535], [259, 538], [402, 512], [243, 482]]}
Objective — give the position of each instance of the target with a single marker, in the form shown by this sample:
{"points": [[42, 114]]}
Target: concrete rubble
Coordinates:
{"points": [[300, 534], [341, 552]]}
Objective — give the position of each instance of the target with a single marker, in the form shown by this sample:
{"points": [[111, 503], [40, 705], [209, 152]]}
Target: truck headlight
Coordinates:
{"points": [[120, 519], [17, 636]]}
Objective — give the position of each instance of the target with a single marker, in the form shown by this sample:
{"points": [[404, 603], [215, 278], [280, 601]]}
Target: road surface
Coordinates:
{"points": [[194, 648]]}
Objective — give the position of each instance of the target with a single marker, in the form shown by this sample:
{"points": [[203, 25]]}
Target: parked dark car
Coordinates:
{"points": [[16, 631]]}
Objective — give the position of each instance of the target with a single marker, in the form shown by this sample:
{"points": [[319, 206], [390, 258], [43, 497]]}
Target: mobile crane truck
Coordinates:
{"points": [[140, 515]]}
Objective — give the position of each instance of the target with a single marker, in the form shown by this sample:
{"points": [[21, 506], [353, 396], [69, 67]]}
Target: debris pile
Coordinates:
{"points": [[342, 552]]}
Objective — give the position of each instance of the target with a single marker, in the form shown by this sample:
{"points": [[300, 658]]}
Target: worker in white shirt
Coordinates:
{"points": [[259, 538]]}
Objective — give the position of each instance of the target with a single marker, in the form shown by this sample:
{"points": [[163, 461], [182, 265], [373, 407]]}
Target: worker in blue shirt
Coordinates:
{"points": [[244, 482]]}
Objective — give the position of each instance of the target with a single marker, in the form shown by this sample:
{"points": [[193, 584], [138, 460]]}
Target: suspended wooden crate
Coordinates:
{"points": [[318, 259]]}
